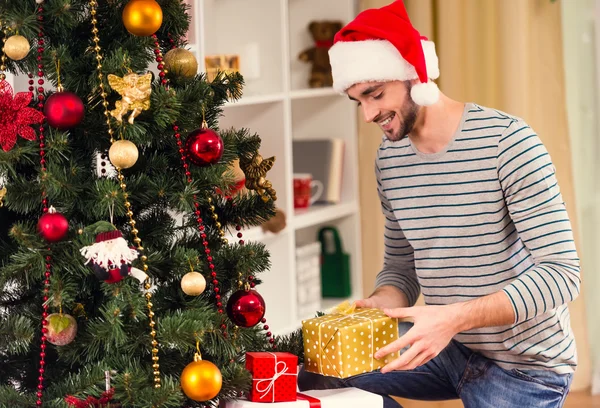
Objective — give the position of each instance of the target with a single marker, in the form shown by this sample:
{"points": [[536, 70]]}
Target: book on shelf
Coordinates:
{"points": [[324, 160]]}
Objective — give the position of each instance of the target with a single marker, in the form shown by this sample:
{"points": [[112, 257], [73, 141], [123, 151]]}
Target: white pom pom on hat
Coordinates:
{"points": [[425, 94], [382, 45]]}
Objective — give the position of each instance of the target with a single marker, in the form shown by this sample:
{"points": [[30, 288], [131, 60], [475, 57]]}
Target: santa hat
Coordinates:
{"points": [[382, 45]]}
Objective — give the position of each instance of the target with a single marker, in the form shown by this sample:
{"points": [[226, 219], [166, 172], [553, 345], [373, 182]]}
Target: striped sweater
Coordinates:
{"points": [[484, 215]]}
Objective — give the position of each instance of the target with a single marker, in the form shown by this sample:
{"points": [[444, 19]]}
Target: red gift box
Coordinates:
{"points": [[274, 376]]}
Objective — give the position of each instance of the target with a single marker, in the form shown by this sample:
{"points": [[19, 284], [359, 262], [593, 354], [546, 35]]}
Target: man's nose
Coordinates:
{"points": [[369, 112]]}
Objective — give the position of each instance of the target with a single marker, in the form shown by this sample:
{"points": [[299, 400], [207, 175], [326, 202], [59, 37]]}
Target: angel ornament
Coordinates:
{"points": [[255, 168], [135, 92], [2, 194]]}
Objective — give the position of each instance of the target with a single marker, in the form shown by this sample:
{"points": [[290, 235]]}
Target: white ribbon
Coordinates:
{"points": [[271, 381], [139, 274]]}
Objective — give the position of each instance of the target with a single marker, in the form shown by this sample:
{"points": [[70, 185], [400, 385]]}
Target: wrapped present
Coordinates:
{"points": [[341, 344], [334, 398], [274, 376]]}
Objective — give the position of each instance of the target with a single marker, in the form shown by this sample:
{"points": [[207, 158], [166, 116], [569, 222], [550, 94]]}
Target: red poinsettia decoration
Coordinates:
{"points": [[16, 116], [91, 401]]}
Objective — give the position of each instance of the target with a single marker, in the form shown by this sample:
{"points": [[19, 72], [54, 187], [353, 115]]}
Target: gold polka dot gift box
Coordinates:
{"points": [[341, 344]]}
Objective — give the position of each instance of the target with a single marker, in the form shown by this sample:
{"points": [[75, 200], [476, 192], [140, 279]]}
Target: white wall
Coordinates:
{"points": [[581, 45]]}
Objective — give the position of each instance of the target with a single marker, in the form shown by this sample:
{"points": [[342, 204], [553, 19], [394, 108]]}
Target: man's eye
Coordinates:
{"points": [[358, 104], [378, 96]]}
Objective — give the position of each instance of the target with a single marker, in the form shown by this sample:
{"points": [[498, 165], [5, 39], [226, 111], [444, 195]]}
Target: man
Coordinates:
{"points": [[474, 220]]}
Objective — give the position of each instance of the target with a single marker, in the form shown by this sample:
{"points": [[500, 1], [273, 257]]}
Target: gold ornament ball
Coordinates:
{"points": [[193, 283], [181, 62], [123, 154], [142, 17], [16, 47], [201, 380]]}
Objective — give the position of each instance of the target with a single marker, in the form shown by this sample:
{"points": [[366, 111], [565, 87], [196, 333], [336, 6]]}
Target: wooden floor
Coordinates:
{"points": [[574, 400]]}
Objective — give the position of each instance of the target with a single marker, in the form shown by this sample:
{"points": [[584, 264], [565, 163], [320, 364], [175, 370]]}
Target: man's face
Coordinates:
{"points": [[388, 104]]}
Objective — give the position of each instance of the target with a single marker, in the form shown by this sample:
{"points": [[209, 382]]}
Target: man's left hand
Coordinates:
{"points": [[434, 327]]}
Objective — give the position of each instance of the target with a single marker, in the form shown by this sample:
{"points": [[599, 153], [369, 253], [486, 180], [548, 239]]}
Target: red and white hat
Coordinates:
{"points": [[382, 45]]}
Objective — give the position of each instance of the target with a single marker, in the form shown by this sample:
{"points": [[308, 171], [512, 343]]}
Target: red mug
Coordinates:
{"points": [[303, 190]]}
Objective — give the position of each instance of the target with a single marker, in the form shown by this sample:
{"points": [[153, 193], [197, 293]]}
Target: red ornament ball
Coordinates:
{"points": [[53, 226], [64, 110], [246, 308], [204, 147]]}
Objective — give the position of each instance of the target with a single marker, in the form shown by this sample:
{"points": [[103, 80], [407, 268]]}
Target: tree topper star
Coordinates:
{"points": [[16, 117]]}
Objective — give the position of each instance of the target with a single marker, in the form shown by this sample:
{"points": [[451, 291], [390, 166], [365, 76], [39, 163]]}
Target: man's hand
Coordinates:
{"points": [[434, 327], [388, 297]]}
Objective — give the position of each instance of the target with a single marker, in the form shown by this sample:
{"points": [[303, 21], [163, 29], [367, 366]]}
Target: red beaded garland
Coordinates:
{"points": [[268, 334], [197, 212], [188, 175], [48, 263]]}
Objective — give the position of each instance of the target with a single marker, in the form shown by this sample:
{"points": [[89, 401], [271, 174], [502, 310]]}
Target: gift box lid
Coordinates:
{"points": [[291, 360]]}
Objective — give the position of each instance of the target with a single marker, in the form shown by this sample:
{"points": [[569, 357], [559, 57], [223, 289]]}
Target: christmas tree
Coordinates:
{"points": [[117, 284]]}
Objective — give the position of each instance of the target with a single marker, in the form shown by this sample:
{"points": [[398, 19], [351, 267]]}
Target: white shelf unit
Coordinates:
{"points": [[278, 104]]}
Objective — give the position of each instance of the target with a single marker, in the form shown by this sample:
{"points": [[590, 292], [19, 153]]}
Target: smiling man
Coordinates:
{"points": [[474, 220]]}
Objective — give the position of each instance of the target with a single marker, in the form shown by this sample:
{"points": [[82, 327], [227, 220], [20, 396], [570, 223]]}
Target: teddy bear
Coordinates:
{"points": [[323, 33]]}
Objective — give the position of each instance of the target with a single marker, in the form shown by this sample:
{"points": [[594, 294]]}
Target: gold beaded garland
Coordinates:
{"points": [[147, 285]]}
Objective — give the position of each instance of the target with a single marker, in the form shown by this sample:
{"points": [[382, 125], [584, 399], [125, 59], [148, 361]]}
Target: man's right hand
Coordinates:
{"points": [[384, 297]]}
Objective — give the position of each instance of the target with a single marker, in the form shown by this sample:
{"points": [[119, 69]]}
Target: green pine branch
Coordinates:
{"points": [[113, 332]]}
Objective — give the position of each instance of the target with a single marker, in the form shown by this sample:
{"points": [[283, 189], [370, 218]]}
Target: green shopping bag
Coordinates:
{"points": [[335, 265]]}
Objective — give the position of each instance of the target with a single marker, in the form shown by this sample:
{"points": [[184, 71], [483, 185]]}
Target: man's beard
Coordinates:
{"points": [[408, 116]]}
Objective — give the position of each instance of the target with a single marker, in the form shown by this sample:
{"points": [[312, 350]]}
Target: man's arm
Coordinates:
{"points": [[396, 284], [385, 297], [435, 326], [536, 207], [487, 311]]}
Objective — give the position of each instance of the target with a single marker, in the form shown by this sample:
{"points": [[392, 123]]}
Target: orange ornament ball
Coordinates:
{"points": [[201, 380], [142, 17]]}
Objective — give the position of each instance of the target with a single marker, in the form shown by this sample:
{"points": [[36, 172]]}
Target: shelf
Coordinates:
{"points": [[255, 234], [256, 100], [321, 213], [312, 93], [277, 97], [279, 106]]}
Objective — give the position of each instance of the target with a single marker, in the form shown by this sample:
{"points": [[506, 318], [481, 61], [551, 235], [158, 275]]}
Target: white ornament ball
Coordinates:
{"points": [[123, 154], [193, 283]]}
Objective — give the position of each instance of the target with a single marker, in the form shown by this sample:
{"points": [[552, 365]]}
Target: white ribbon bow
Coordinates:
{"points": [[271, 381]]}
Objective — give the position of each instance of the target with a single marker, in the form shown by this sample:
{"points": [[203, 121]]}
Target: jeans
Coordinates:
{"points": [[456, 373]]}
